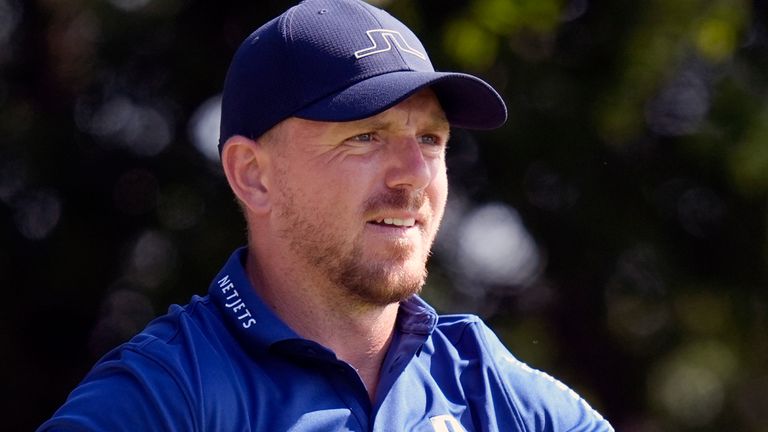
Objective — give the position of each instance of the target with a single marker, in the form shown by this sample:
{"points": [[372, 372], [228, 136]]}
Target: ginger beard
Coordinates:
{"points": [[395, 273]]}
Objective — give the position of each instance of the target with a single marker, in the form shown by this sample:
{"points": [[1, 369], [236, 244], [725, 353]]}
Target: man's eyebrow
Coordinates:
{"points": [[440, 121], [436, 121]]}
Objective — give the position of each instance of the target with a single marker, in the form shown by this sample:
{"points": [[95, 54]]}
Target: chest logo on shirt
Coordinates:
{"points": [[446, 423]]}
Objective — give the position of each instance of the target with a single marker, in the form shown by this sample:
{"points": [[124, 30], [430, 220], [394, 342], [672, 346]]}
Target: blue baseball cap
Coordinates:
{"points": [[341, 60]]}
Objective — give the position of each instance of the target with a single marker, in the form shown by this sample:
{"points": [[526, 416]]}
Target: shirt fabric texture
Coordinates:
{"points": [[226, 362]]}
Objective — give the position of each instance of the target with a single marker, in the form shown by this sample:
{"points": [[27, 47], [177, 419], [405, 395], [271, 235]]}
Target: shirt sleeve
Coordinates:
{"points": [[126, 391], [544, 404]]}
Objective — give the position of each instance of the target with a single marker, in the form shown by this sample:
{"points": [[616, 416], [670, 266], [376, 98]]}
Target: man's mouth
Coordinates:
{"points": [[406, 222]]}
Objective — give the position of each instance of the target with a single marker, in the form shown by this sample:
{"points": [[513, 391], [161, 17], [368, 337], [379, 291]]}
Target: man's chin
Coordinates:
{"points": [[384, 296], [398, 258], [387, 283]]}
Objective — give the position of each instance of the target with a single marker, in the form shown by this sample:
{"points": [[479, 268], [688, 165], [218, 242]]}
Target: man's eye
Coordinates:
{"points": [[366, 137], [430, 139]]}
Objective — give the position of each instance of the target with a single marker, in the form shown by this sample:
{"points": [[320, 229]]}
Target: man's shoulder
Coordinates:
{"points": [[472, 338], [466, 337], [167, 329], [157, 378], [166, 339], [462, 330], [534, 395]]}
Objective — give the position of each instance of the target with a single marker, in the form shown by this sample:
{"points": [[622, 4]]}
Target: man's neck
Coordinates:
{"points": [[358, 333]]}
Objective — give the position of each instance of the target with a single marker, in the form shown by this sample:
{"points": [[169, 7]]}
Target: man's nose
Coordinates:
{"points": [[408, 168]]}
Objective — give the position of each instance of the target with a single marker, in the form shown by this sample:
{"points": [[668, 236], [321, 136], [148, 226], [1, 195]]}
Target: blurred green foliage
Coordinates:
{"points": [[632, 178]]}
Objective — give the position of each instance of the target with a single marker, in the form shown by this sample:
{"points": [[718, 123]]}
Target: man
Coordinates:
{"points": [[333, 137]]}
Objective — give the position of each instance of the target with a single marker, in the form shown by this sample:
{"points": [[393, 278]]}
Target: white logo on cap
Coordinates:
{"points": [[382, 42]]}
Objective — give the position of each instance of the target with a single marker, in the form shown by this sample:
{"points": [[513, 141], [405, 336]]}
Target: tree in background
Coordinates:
{"points": [[613, 232]]}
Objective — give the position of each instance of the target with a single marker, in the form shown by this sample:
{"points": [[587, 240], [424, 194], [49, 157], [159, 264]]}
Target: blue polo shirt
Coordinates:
{"points": [[225, 362]]}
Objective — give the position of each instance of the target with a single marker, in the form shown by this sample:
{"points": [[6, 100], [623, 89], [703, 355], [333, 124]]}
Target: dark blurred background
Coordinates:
{"points": [[613, 232]]}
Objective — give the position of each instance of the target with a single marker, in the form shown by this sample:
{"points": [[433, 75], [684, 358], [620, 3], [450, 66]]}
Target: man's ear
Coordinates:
{"points": [[246, 165]]}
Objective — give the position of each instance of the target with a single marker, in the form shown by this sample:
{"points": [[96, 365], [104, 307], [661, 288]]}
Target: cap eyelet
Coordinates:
{"points": [[322, 11]]}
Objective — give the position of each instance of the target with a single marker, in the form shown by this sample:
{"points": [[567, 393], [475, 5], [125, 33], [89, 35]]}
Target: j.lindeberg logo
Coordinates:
{"points": [[381, 40]]}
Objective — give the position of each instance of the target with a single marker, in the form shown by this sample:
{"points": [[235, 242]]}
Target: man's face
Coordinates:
{"points": [[360, 202]]}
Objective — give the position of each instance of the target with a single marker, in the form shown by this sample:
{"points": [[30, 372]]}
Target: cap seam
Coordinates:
{"points": [[287, 24]]}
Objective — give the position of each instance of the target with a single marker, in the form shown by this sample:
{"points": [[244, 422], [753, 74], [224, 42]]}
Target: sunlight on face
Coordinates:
{"points": [[360, 202]]}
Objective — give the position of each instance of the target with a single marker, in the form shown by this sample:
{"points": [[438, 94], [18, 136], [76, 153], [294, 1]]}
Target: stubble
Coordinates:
{"points": [[376, 283]]}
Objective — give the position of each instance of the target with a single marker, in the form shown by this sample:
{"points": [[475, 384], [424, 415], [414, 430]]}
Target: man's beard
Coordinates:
{"points": [[377, 283]]}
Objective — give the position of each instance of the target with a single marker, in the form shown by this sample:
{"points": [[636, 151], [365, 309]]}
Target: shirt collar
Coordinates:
{"points": [[251, 321], [257, 328], [416, 316]]}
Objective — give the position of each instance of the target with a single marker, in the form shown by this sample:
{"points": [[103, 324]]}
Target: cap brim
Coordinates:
{"points": [[468, 102]]}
